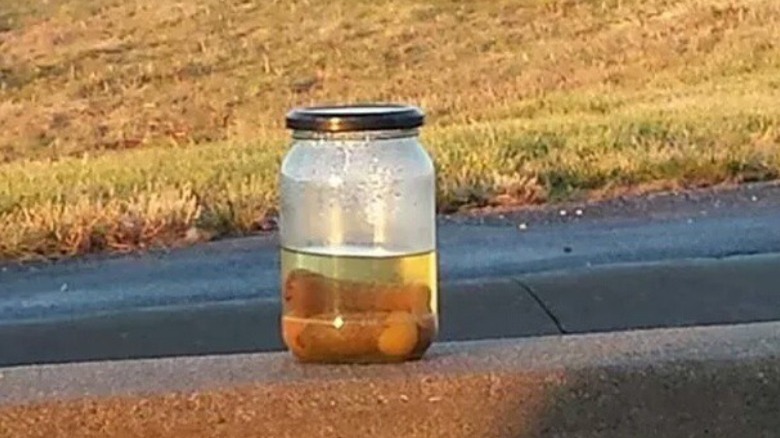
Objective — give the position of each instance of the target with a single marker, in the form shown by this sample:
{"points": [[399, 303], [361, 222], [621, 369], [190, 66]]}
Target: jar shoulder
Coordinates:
{"points": [[313, 160]]}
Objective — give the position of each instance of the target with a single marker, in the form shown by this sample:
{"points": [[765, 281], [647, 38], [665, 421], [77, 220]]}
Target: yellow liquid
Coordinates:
{"points": [[358, 309]]}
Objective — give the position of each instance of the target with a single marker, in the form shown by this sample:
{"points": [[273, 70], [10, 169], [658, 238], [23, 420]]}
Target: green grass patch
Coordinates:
{"points": [[168, 130]]}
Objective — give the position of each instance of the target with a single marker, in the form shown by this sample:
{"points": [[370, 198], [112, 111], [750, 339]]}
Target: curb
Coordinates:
{"points": [[501, 307], [672, 293], [715, 381], [611, 298]]}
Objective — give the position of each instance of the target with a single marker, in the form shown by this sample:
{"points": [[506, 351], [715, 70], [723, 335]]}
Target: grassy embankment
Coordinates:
{"points": [[127, 124]]}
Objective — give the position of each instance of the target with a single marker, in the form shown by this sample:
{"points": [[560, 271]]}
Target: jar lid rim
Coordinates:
{"points": [[350, 118]]}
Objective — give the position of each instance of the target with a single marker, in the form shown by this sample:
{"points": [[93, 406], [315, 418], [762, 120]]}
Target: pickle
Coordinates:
{"points": [[291, 332], [427, 332], [341, 320], [414, 298], [305, 293], [339, 337]]}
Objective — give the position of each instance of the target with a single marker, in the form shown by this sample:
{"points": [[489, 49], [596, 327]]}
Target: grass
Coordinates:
{"points": [[130, 124]]}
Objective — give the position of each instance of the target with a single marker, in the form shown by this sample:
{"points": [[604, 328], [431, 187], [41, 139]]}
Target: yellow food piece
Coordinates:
{"points": [[399, 336]]}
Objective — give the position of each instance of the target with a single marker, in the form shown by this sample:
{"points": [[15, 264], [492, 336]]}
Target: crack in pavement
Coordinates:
{"points": [[545, 308]]}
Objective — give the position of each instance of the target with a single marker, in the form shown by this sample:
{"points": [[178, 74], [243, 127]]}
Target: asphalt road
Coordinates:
{"points": [[705, 224]]}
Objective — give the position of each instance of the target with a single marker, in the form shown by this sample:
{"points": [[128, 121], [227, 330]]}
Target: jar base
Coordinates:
{"points": [[376, 360]]}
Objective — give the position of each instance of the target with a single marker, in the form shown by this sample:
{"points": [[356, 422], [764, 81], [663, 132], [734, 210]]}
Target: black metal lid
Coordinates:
{"points": [[349, 118]]}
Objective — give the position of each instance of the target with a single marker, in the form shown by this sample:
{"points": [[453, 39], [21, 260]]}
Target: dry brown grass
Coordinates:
{"points": [[127, 123]]}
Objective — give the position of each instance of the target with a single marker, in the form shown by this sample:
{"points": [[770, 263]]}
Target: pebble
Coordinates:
{"points": [[564, 212], [578, 212], [267, 224], [64, 287], [523, 226], [192, 235], [754, 198]]}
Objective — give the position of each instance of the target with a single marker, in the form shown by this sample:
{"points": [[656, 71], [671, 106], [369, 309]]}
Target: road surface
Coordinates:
{"points": [[705, 224]]}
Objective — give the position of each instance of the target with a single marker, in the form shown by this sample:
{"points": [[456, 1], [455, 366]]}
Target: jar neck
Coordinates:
{"points": [[356, 135]]}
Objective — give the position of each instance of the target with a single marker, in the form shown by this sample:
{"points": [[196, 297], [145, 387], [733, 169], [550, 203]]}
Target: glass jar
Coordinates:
{"points": [[358, 236]]}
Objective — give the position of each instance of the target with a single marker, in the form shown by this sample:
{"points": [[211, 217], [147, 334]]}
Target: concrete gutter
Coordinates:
{"points": [[720, 381]]}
